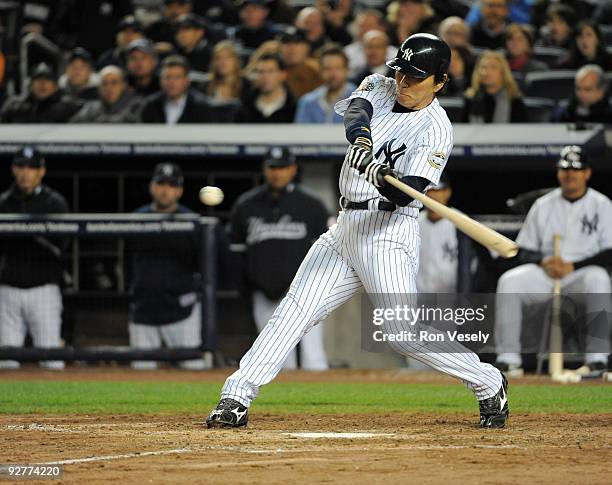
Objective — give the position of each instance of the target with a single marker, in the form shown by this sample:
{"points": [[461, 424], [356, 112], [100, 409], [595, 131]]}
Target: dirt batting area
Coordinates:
{"points": [[309, 448]]}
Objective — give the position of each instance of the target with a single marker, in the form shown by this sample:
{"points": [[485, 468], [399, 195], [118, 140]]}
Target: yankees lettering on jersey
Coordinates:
{"points": [[585, 225], [259, 230], [438, 256], [412, 143]]}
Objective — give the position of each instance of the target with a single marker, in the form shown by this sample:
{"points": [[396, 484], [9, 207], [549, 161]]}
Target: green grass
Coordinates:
{"points": [[22, 397]]}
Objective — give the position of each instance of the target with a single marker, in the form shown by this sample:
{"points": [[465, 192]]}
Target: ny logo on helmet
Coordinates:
{"points": [[407, 54]]}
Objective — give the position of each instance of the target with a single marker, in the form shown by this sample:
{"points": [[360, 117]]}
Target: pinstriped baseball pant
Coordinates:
{"points": [[374, 251]]}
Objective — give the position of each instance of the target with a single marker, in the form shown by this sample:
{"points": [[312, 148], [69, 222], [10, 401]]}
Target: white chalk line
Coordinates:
{"points": [[118, 457], [345, 436]]}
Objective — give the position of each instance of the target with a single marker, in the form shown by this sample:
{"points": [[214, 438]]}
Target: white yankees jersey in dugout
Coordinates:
{"points": [[438, 256], [413, 143], [585, 225]]}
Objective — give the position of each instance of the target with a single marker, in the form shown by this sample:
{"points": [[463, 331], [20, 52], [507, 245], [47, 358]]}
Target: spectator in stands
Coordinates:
{"points": [[177, 103], [128, 30], [192, 42], [408, 17], [588, 48], [318, 105], [91, 24], [459, 71], [271, 101], [337, 15], [269, 47], [31, 275], [312, 21], [455, 32], [80, 81], [493, 96], [165, 28], [603, 14], [489, 32], [303, 73], [278, 221], [226, 81], [366, 21], [376, 44], [45, 103], [142, 67], [519, 50], [254, 28], [164, 307], [583, 218], [116, 103], [519, 11], [589, 103], [559, 28]]}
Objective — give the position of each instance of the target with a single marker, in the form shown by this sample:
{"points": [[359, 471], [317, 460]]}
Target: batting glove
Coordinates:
{"points": [[360, 153], [375, 173]]}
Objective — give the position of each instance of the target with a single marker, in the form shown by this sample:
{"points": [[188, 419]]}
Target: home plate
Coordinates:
{"points": [[338, 435]]}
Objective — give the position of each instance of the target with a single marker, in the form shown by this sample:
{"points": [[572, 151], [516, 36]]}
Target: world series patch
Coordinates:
{"points": [[366, 86], [436, 159]]}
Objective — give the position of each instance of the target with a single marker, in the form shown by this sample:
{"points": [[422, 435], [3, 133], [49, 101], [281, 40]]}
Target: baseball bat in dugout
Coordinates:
{"points": [[555, 341]]}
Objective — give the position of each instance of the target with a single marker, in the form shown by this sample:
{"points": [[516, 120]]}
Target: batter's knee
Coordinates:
{"points": [[596, 280]]}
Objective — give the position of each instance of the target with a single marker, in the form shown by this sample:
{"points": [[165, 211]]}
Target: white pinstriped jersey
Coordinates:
{"points": [[585, 225], [414, 143]]}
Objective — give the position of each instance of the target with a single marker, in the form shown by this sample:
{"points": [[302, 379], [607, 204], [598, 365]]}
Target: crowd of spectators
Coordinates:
{"points": [[265, 61]]}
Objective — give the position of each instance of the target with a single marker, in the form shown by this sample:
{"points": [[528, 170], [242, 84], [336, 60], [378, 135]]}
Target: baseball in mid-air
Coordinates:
{"points": [[211, 195]]}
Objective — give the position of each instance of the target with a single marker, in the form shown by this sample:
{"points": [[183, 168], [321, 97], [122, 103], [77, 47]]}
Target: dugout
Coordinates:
{"points": [[106, 169]]}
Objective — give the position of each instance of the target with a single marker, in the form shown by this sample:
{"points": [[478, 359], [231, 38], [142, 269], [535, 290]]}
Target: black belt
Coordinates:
{"points": [[383, 205]]}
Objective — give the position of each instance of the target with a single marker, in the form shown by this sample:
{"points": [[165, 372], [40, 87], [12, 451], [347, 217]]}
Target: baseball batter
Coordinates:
{"points": [[583, 218], [394, 127]]}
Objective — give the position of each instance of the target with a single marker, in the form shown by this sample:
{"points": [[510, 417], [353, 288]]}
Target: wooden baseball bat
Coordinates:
{"points": [[555, 343], [479, 232]]}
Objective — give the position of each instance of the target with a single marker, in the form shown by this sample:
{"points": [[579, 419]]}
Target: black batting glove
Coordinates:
{"points": [[375, 173], [360, 153]]}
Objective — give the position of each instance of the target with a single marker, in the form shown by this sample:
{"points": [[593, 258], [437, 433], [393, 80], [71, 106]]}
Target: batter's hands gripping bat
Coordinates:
{"points": [[479, 232]]}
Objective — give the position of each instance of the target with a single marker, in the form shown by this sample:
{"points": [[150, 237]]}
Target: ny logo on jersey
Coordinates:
{"points": [[390, 154], [589, 226], [407, 54], [449, 252]]}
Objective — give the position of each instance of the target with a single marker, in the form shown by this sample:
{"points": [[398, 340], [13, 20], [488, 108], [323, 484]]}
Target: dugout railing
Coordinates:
{"points": [[116, 228]]}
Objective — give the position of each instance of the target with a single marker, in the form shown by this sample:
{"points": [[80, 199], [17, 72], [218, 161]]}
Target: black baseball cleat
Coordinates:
{"points": [[494, 411], [228, 414]]}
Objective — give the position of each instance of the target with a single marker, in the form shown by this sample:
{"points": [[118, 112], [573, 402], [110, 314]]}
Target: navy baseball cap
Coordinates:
{"points": [[261, 3], [81, 53], [129, 22], [572, 157], [43, 71], [142, 45], [29, 157], [169, 173], [279, 157], [191, 21], [293, 35]]}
